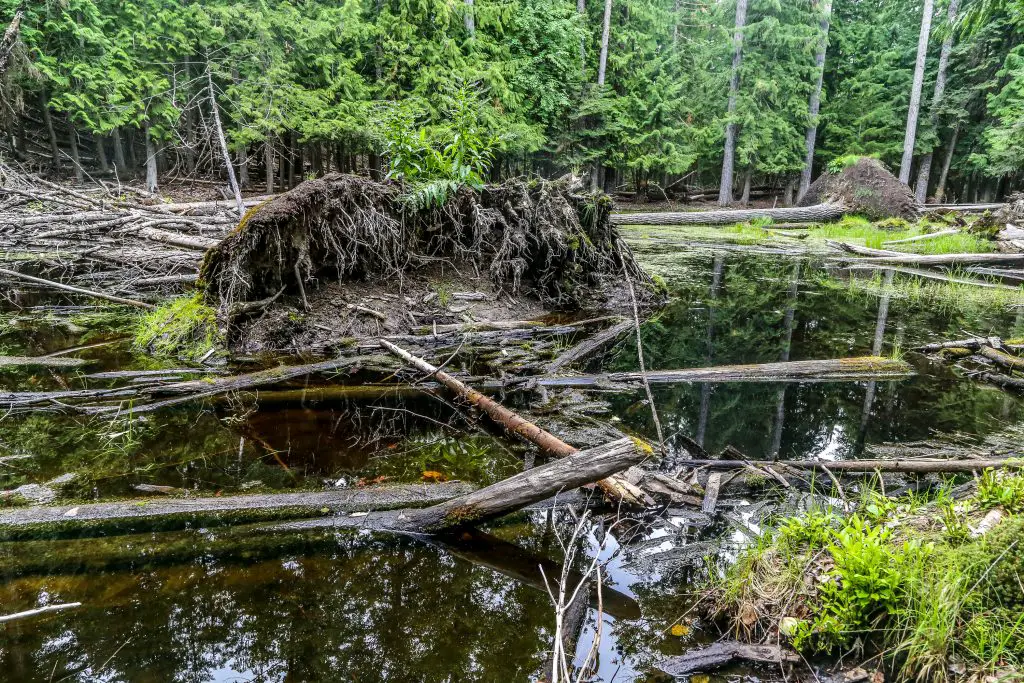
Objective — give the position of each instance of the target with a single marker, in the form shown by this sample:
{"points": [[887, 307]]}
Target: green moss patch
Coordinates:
{"points": [[185, 328]]}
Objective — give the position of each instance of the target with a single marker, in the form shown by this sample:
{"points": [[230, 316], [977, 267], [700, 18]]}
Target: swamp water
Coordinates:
{"points": [[241, 604]]}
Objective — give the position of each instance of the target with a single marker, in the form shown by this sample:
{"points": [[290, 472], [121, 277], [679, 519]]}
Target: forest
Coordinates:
{"points": [[512, 340], [644, 96]]}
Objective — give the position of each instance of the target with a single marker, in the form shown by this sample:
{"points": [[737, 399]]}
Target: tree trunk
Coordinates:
{"points": [[101, 154], [469, 19], [8, 39], [76, 159], [814, 105], [269, 154], [151, 174], [725, 187], [284, 174], [915, 92], [921, 192], [219, 130], [746, 186], [787, 197], [803, 214], [605, 34], [120, 166], [190, 141], [581, 9], [44, 103]]}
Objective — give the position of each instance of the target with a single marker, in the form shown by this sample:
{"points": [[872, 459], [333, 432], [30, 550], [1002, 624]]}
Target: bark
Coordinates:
{"points": [[151, 172], [725, 187], [120, 166], [924, 173], [805, 214], [940, 188], [44, 103], [605, 34], [469, 19], [615, 487], [915, 92], [526, 488], [76, 159], [814, 105], [223, 142]]}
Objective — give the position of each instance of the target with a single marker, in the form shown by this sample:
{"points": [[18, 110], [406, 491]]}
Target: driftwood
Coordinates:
{"points": [[615, 487], [76, 290], [721, 653], [523, 489], [808, 214], [39, 610]]}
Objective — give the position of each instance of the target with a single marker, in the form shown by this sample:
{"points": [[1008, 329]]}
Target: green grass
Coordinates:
{"points": [[903, 577], [184, 327]]}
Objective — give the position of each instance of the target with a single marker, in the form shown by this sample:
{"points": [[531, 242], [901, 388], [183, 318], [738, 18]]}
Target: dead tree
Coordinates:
{"points": [[915, 92], [728, 162]]}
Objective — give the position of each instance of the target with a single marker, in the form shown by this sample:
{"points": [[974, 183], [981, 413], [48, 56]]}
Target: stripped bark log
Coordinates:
{"points": [[807, 214], [532, 486], [885, 257], [616, 488], [39, 610]]}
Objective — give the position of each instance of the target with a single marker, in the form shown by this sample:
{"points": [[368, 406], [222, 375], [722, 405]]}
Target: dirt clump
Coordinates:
{"points": [[865, 188], [345, 256]]}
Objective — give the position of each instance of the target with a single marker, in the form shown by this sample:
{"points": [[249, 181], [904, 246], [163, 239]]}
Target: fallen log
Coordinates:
{"points": [[721, 653], [807, 214], [589, 346], [886, 257], [615, 487], [868, 367], [173, 238], [41, 361], [531, 486], [76, 290], [128, 516], [1004, 381], [921, 238], [972, 344], [870, 264], [915, 466]]}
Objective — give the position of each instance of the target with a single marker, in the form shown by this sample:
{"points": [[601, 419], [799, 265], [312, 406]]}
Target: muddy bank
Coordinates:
{"points": [[346, 256]]}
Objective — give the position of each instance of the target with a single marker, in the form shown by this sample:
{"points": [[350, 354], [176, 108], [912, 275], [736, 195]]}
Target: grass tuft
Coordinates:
{"points": [[184, 328]]}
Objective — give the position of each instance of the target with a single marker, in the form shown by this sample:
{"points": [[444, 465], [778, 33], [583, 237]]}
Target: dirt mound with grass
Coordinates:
{"points": [[347, 256], [866, 188]]}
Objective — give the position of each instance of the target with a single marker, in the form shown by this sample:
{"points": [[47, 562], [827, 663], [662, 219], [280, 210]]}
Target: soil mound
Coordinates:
{"points": [[344, 254], [866, 188]]}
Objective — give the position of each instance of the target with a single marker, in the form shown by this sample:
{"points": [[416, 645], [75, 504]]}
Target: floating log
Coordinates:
{"points": [[807, 214], [721, 653], [1002, 359], [887, 257], [616, 487]]}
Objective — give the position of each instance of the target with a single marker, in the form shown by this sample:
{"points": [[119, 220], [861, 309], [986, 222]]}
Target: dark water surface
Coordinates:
{"points": [[246, 605]]}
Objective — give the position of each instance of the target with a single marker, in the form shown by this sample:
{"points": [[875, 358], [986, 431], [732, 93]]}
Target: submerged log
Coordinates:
{"points": [[615, 487], [532, 486], [808, 214]]}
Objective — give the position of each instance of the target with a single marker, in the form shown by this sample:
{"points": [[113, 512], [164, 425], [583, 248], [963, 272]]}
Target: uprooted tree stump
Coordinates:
{"points": [[865, 188], [538, 239]]}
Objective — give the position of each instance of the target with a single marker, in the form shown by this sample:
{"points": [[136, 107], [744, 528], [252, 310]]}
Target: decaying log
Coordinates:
{"points": [[972, 344], [76, 290], [1002, 359], [711, 493], [1004, 381], [616, 488], [532, 486], [807, 214], [886, 257], [926, 236], [721, 653]]}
